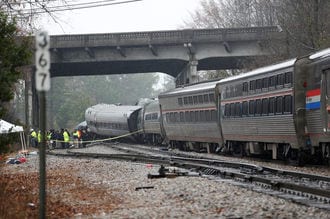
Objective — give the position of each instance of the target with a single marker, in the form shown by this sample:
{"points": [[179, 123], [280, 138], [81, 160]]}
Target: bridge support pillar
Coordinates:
{"points": [[189, 74], [192, 71]]}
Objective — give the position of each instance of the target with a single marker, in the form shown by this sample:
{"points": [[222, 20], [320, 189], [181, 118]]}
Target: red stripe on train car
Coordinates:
{"points": [[315, 92]]}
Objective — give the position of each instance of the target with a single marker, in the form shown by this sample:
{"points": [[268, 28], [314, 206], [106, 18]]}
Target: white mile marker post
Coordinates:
{"points": [[42, 85]]}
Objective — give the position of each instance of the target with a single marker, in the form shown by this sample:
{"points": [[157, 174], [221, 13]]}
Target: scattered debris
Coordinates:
{"points": [[149, 165], [170, 172], [19, 158], [31, 205], [144, 187]]}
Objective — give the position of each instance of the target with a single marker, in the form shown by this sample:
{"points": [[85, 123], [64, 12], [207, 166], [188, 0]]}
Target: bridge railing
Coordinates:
{"points": [[162, 37]]}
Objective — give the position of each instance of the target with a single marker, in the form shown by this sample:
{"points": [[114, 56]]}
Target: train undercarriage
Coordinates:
{"points": [[270, 151]]}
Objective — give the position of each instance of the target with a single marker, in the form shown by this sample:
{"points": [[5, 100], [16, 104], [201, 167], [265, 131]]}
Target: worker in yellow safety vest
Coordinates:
{"points": [[34, 140], [66, 137]]}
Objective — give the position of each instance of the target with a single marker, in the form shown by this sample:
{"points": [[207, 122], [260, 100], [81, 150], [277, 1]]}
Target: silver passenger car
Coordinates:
{"points": [[190, 117], [113, 120], [151, 123], [258, 111], [280, 108], [317, 100]]}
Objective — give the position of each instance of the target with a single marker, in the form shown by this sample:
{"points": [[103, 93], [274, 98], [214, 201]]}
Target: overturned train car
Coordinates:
{"points": [[110, 120]]}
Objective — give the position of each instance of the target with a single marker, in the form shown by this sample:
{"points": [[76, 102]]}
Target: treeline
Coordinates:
{"points": [[71, 96]]}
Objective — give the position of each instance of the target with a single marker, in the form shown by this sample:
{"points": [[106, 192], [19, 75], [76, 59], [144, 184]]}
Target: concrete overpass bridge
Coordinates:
{"points": [[173, 52], [180, 53]]}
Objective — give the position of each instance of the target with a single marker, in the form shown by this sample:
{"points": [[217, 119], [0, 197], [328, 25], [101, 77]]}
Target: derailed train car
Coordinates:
{"points": [[110, 120], [190, 117], [151, 123], [282, 109]]}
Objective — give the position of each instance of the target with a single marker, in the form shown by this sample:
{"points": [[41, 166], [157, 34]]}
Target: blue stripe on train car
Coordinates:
{"points": [[315, 105]]}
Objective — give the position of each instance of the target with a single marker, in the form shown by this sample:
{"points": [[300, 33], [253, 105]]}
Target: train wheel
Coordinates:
{"points": [[296, 157]]}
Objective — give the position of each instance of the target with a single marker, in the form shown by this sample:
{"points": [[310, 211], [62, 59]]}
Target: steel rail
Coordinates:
{"points": [[216, 168]]}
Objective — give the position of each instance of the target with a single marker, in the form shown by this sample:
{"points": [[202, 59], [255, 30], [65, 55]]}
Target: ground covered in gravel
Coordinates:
{"points": [[94, 188]]}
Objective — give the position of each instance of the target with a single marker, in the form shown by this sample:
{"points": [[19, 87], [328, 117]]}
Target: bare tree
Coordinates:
{"points": [[305, 23], [26, 12]]}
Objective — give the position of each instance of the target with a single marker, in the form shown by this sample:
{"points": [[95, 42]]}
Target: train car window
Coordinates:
{"points": [[195, 99], [180, 101], [207, 115], [245, 108], [252, 85], [279, 105], [197, 116], [186, 116], [211, 96], [272, 81], [265, 106], [202, 115], [181, 117], [155, 116], [147, 117], [279, 80], [232, 109], [265, 83], [288, 78], [192, 116], [258, 84], [238, 90], [287, 104], [200, 99], [245, 88], [190, 100], [213, 115], [238, 109], [185, 100], [227, 110], [167, 117], [251, 108], [226, 93], [258, 107], [231, 92], [172, 117], [206, 98], [176, 117], [271, 110]]}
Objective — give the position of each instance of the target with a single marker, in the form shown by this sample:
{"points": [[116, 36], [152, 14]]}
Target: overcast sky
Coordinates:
{"points": [[145, 15]]}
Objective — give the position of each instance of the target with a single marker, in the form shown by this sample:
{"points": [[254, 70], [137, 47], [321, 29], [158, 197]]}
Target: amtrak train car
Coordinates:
{"points": [[257, 110], [152, 123], [190, 117], [280, 108], [113, 120], [317, 104]]}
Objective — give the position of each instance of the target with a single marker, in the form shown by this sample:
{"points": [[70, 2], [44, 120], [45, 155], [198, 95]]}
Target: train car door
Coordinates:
{"points": [[326, 99]]}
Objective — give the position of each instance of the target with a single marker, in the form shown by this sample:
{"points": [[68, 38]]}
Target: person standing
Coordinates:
{"points": [[34, 140], [39, 138], [66, 137]]}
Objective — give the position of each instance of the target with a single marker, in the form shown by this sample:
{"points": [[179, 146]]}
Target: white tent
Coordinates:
{"points": [[6, 127]]}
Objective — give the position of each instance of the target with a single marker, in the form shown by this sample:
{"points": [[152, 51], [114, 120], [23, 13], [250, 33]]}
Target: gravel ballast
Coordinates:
{"points": [[98, 188]]}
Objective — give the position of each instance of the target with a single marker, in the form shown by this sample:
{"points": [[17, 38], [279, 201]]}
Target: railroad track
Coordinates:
{"points": [[303, 188]]}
